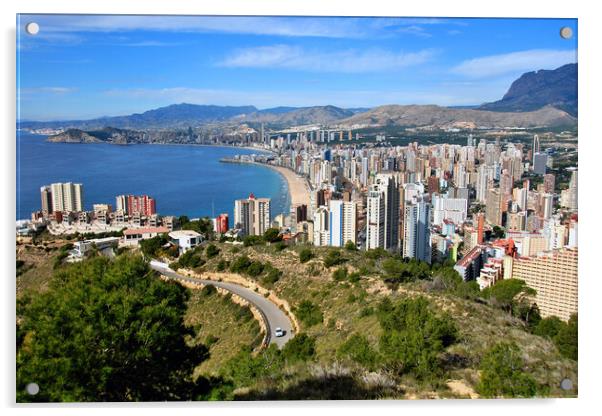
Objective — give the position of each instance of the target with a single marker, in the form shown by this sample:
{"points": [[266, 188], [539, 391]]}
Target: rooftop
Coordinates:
{"points": [[183, 234], [146, 230]]}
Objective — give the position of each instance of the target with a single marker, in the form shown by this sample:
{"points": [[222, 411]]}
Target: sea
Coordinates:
{"points": [[184, 179]]}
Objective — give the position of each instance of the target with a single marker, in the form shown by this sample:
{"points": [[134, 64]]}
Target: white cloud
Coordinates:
{"points": [[329, 27], [346, 61], [48, 90], [522, 61]]}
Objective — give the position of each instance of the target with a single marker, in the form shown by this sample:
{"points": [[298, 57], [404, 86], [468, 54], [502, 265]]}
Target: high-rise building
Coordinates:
{"points": [[480, 220], [121, 203], [252, 215], [321, 233], [485, 176], [221, 224], [453, 209], [494, 208], [143, 204], [136, 204], [535, 148], [67, 197], [540, 161], [416, 231], [342, 223], [547, 206], [568, 197], [549, 183], [383, 213], [46, 196], [554, 277]]}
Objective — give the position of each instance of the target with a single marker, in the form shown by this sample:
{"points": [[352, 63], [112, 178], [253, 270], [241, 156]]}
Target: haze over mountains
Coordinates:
{"points": [[546, 98]]}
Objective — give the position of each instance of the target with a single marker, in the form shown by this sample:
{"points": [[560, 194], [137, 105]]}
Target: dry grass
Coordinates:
{"points": [[216, 316], [480, 326]]}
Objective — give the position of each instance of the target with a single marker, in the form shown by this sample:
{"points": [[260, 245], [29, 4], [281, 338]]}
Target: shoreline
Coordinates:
{"points": [[258, 149], [298, 187]]}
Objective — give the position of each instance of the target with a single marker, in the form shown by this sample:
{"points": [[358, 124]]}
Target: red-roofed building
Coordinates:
{"points": [[132, 236]]}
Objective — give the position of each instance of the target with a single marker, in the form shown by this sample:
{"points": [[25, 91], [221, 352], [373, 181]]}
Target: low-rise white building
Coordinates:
{"points": [[185, 239], [80, 248]]}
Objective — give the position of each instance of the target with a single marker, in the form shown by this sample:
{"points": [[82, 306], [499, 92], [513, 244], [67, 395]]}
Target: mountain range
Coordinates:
{"points": [[545, 98], [534, 90]]}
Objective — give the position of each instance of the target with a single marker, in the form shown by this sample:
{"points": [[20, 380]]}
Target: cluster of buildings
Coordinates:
{"points": [[494, 209], [63, 203]]}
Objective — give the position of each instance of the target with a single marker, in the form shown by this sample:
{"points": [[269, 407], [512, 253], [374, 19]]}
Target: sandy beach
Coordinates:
{"points": [[297, 186]]}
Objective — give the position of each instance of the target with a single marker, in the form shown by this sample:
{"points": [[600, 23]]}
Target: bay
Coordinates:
{"points": [[183, 179]]}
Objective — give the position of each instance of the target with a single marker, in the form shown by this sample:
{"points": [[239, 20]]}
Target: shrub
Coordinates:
{"points": [[255, 269], [309, 313], [376, 253], [340, 274], [508, 293], [222, 265], [305, 255], [208, 290], [151, 247], [358, 349], [334, 258], [567, 339], [272, 277], [350, 246], [240, 265], [244, 314], [280, 245], [190, 260], [503, 375], [354, 277], [399, 271], [299, 349], [413, 336], [252, 240], [272, 235], [211, 251], [210, 340]]}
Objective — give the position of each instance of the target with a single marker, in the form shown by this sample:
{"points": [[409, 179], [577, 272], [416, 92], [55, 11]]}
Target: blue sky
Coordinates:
{"points": [[84, 66]]}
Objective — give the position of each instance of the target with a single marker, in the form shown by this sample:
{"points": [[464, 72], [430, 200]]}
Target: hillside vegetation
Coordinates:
{"points": [[371, 326]]}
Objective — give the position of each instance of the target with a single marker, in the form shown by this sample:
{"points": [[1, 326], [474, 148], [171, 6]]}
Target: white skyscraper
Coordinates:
{"points": [[382, 228], [252, 215], [67, 197], [417, 234], [342, 223], [453, 209], [484, 176], [321, 234]]}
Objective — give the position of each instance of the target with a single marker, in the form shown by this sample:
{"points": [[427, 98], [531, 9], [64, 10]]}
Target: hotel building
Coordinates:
{"points": [[554, 276], [252, 215]]}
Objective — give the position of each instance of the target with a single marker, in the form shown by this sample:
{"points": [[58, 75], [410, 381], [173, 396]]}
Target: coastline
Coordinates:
{"points": [[97, 189], [297, 186]]}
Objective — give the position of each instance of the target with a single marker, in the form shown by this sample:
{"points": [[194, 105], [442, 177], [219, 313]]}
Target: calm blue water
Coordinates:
{"points": [[184, 180]]}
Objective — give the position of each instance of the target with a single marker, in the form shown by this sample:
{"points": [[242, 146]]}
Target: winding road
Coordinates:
{"points": [[272, 316]]}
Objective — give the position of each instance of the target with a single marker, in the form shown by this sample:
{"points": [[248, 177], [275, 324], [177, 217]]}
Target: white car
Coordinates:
{"points": [[279, 332]]}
